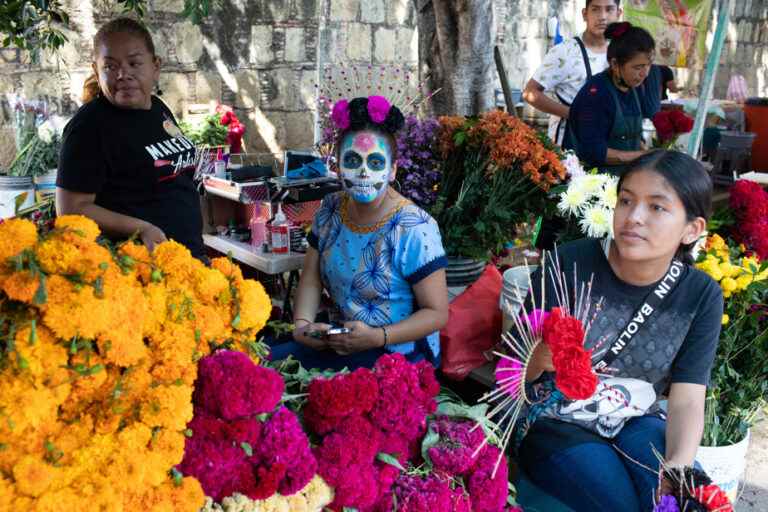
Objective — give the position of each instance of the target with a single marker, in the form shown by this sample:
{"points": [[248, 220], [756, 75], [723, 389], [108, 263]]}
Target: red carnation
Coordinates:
{"points": [[561, 330], [712, 497], [665, 128], [682, 123]]}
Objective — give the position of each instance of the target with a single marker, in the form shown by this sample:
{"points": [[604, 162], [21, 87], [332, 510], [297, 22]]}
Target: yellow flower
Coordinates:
{"points": [[211, 285], [728, 284], [726, 319], [33, 476], [743, 281], [16, 235], [173, 259], [228, 268], [77, 228], [167, 406], [21, 286], [255, 306], [74, 311]]}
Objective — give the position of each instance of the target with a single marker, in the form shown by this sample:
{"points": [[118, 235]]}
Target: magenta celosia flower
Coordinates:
{"points": [[284, 442], [246, 430], [332, 400], [458, 441], [219, 465], [340, 114], [429, 494], [378, 108], [489, 494], [230, 386]]}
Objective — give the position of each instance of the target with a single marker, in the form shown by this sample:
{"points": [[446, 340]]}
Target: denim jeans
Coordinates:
{"points": [[596, 477]]}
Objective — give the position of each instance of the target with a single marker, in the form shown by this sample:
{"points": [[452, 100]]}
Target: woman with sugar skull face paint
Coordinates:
{"points": [[378, 256]]}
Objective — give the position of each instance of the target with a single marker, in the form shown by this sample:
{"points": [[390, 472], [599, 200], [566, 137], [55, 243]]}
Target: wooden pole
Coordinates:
{"points": [[504, 81], [710, 72]]}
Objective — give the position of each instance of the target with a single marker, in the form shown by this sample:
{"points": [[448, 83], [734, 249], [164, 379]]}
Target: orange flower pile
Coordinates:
{"points": [[98, 356], [509, 142]]}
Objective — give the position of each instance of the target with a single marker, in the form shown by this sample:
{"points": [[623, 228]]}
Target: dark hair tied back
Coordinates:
{"points": [[627, 41]]}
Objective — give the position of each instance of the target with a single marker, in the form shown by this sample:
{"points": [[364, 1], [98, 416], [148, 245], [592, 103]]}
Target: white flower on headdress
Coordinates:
{"points": [[572, 201], [572, 165], [597, 222]]}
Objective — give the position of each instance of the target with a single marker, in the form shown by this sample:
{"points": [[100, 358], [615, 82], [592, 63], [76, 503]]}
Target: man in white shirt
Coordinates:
{"points": [[568, 65]]}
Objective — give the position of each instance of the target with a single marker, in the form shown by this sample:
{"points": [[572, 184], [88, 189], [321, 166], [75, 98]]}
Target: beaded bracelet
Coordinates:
{"points": [[297, 319], [386, 336]]}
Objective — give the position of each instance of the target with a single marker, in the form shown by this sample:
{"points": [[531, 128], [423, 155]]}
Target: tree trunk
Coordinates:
{"points": [[456, 49]]}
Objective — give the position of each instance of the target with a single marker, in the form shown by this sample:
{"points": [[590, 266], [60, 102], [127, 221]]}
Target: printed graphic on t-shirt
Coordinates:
{"points": [[176, 151]]}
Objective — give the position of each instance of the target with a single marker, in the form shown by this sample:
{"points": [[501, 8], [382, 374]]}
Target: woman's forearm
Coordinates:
{"points": [[111, 223], [307, 301], [685, 426], [421, 323]]}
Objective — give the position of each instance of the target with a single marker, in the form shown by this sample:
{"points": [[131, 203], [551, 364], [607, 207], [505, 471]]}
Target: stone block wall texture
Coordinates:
{"points": [[262, 56]]}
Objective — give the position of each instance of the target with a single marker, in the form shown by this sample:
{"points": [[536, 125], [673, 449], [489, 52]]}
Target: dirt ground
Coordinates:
{"points": [[755, 496]]}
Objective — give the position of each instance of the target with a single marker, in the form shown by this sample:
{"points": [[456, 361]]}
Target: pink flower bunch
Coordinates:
{"points": [[378, 108], [488, 491], [234, 446], [749, 203], [429, 494], [340, 115], [457, 442], [230, 386], [362, 414]]}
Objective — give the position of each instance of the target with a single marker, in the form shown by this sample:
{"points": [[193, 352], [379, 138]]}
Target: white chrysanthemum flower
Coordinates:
{"points": [[572, 165], [572, 201], [597, 222], [610, 193], [590, 184]]}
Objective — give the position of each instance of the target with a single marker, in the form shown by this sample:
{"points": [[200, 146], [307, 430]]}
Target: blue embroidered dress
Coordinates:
{"points": [[370, 275]]}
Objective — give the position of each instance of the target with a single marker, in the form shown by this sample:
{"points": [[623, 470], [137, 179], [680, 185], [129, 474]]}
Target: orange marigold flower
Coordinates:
{"points": [[74, 310], [21, 286], [211, 285], [173, 259], [17, 235], [228, 268], [255, 306], [33, 476], [77, 228], [167, 406]]}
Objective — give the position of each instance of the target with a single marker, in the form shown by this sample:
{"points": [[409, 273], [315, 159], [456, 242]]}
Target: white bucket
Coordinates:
{"points": [[725, 465], [45, 184], [12, 187], [513, 292]]}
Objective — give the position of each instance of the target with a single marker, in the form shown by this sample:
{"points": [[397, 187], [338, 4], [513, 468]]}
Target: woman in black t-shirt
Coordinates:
{"points": [[595, 454], [124, 162]]}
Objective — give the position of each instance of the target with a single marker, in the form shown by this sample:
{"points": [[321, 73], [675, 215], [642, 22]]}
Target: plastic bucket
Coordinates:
{"points": [[515, 285], [11, 187], [45, 184], [463, 271], [725, 465]]}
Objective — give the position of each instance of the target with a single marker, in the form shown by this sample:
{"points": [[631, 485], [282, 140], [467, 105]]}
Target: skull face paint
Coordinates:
{"points": [[365, 165]]}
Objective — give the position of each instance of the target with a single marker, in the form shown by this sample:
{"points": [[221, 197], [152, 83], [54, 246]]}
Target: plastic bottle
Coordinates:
{"points": [[280, 231], [258, 226]]}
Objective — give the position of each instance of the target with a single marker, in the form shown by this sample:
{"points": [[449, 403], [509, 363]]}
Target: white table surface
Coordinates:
{"points": [[269, 263]]}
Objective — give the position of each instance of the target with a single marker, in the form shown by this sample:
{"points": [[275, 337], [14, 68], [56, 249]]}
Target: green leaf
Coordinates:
{"points": [[188, 432], [247, 448], [430, 440], [19, 201], [236, 321], [389, 459], [33, 332], [41, 295], [178, 477]]}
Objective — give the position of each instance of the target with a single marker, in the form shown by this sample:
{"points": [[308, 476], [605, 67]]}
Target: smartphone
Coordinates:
{"points": [[333, 331]]}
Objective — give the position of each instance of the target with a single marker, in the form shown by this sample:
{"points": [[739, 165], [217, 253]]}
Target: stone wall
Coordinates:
{"points": [[261, 56]]}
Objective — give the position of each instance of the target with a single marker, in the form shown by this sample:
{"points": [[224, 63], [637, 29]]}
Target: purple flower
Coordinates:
{"points": [[340, 114], [283, 441], [667, 504], [378, 108], [453, 452]]}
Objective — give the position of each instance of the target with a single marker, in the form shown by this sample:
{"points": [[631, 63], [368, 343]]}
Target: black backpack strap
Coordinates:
{"points": [[584, 56]]}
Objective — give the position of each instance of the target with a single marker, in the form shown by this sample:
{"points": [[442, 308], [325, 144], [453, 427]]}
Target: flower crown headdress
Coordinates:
{"points": [[351, 97]]}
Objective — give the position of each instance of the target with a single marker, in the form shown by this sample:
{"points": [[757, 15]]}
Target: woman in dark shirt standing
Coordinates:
{"points": [[124, 162], [607, 114]]}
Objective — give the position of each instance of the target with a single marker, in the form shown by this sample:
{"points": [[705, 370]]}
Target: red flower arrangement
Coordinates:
{"points": [[671, 123], [372, 424], [238, 442], [564, 335], [749, 203], [235, 129]]}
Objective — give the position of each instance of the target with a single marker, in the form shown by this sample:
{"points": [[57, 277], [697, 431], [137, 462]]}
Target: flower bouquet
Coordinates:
{"points": [[98, 356], [738, 391], [589, 200], [689, 490], [748, 216], [217, 129], [670, 125], [496, 173], [418, 161]]}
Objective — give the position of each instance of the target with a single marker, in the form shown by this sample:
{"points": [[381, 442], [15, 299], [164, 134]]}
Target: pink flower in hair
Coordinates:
{"points": [[340, 114], [378, 108]]}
